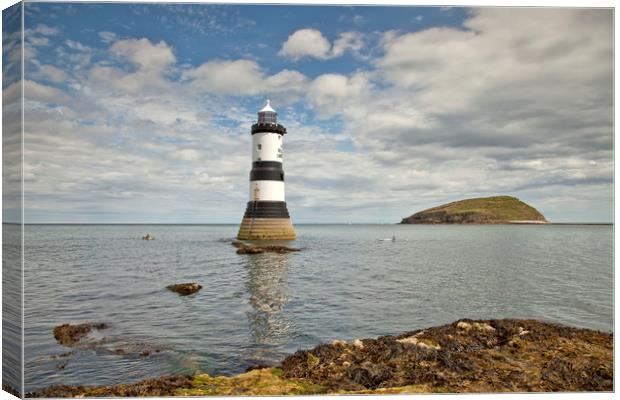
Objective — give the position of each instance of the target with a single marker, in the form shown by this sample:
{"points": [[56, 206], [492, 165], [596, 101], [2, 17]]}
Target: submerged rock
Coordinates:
{"points": [[244, 248], [184, 288], [69, 335]]}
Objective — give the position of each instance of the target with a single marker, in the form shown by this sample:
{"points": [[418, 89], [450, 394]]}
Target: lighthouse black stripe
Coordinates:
{"points": [[267, 171], [266, 209], [268, 127], [267, 164], [266, 175]]}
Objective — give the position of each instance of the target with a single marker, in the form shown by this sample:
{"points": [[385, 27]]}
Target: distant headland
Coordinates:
{"points": [[486, 210]]}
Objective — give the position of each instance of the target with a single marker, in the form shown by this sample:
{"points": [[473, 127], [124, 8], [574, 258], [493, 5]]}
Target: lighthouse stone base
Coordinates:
{"points": [[266, 220]]}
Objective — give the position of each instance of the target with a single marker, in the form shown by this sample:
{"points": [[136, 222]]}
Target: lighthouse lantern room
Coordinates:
{"points": [[266, 216]]}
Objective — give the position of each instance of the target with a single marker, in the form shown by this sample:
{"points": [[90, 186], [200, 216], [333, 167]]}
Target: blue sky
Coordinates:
{"points": [[141, 112]]}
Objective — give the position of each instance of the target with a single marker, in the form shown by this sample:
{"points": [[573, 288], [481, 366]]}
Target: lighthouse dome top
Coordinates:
{"points": [[267, 107], [267, 114]]}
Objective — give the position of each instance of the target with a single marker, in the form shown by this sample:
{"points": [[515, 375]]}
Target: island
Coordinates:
{"points": [[485, 210]]}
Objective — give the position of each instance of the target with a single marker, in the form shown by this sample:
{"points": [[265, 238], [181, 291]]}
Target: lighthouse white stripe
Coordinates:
{"points": [[266, 191], [266, 146]]}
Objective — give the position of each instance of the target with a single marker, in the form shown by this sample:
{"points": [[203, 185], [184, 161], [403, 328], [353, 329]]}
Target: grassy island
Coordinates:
{"points": [[486, 210]]}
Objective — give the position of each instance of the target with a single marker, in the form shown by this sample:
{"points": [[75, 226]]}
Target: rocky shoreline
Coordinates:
{"points": [[466, 356]]}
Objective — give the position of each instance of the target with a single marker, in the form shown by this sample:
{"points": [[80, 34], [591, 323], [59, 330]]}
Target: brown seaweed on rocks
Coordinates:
{"points": [[244, 248], [163, 386], [465, 356], [184, 289], [70, 335]]}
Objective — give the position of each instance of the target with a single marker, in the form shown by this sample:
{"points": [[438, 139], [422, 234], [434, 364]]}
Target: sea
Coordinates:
{"points": [[348, 282]]}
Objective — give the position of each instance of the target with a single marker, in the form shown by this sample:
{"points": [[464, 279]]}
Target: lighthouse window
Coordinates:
{"points": [[259, 146], [268, 117]]}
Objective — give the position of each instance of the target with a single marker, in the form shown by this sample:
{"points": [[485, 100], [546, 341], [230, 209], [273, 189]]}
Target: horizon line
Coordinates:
{"points": [[298, 223]]}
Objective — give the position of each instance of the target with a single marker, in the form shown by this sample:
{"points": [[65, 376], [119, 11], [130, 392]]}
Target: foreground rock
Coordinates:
{"points": [[184, 289], [244, 248], [488, 210], [70, 335], [465, 356]]}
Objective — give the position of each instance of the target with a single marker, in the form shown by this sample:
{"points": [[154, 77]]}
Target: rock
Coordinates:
{"points": [[466, 356], [148, 236], [69, 335], [358, 344], [184, 289], [243, 248], [488, 210]]}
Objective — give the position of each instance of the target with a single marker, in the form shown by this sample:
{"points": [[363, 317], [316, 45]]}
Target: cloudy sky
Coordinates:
{"points": [[141, 113]]}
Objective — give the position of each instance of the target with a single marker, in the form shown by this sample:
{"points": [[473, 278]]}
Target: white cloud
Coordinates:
{"points": [[37, 41], [153, 61], [34, 91], [244, 77], [145, 54], [330, 94], [52, 73], [108, 37], [187, 154], [306, 42], [75, 45], [46, 30], [312, 43], [239, 77], [347, 41]]}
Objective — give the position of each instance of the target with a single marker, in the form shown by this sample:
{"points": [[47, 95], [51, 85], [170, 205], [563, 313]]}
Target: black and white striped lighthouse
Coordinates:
{"points": [[266, 216]]}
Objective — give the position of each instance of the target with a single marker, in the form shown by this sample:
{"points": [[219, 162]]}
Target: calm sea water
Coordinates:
{"points": [[255, 309]]}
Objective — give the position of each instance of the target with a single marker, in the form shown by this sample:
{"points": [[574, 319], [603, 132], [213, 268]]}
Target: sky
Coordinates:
{"points": [[141, 113]]}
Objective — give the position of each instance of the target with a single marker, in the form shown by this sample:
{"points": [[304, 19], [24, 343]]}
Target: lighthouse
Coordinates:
{"points": [[266, 216]]}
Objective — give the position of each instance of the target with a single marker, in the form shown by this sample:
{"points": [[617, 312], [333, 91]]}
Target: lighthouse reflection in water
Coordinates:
{"points": [[270, 328]]}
